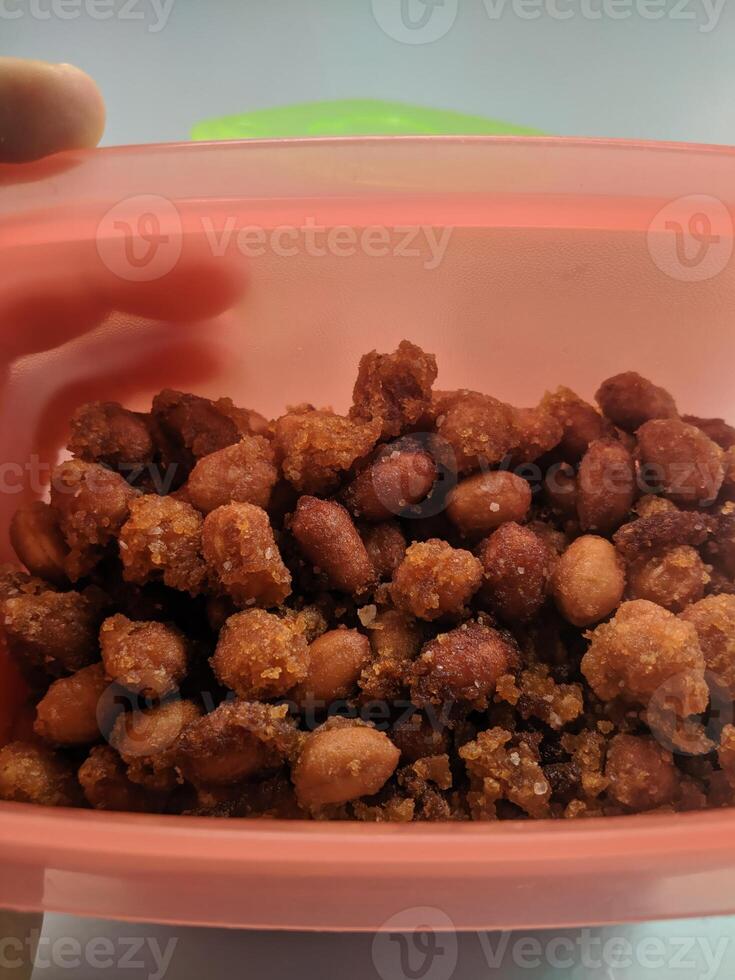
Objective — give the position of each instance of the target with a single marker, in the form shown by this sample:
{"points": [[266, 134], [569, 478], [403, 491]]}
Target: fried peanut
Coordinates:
{"points": [[588, 580], [516, 568], [162, 541], [386, 547], [463, 665], [680, 460], [480, 430], [148, 741], [481, 503], [330, 541], [641, 774], [341, 762], [107, 433], [629, 400], [106, 786], [38, 542], [605, 486], [336, 659], [714, 620], [70, 711], [581, 423], [391, 484]]}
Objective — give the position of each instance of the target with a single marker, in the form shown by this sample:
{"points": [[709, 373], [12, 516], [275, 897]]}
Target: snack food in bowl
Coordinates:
{"points": [[545, 588]]}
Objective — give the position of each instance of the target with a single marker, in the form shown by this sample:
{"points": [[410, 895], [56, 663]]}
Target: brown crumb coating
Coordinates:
{"points": [[151, 659], [580, 422], [629, 400], [162, 541], [315, 448], [329, 539], [673, 579], [92, 503], [649, 505], [463, 665], [70, 711], [642, 648], [714, 620], [499, 771], [516, 569], [106, 786], [395, 641], [394, 388], [148, 741], [244, 473], [235, 742], [641, 774], [392, 483], [260, 656], [310, 621], [342, 760], [588, 580], [435, 580], [480, 430], [385, 544], [481, 503], [606, 486], [107, 433], [38, 542], [680, 461], [54, 630], [239, 546], [34, 773], [660, 530], [536, 694], [336, 660]]}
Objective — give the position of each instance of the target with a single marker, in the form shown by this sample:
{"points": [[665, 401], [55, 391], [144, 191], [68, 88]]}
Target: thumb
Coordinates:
{"points": [[46, 108]]}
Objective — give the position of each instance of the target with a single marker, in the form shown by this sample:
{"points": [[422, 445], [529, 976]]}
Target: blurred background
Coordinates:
{"points": [[645, 69]]}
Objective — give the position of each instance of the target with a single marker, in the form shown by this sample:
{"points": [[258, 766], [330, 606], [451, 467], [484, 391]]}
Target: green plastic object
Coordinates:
{"points": [[352, 117]]}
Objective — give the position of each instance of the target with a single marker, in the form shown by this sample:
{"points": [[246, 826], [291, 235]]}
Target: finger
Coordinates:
{"points": [[46, 108]]}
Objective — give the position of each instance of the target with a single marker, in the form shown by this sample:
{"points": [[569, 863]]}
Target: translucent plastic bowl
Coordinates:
{"points": [[566, 261]]}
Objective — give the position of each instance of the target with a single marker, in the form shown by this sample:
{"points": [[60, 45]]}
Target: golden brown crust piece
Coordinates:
{"points": [[394, 389], [435, 580], [315, 448], [516, 570], [107, 433], [106, 786], [680, 461], [242, 473], [241, 551], [33, 773], [162, 541], [580, 422], [70, 711], [151, 659], [480, 430], [260, 655], [92, 503], [643, 648]]}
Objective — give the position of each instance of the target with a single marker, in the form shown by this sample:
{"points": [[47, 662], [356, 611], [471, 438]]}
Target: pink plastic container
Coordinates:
{"points": [[551, 261]]}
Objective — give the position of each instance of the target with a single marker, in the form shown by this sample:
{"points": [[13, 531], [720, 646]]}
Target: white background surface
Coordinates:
{"points": [[669, 78], [661, 79]]}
